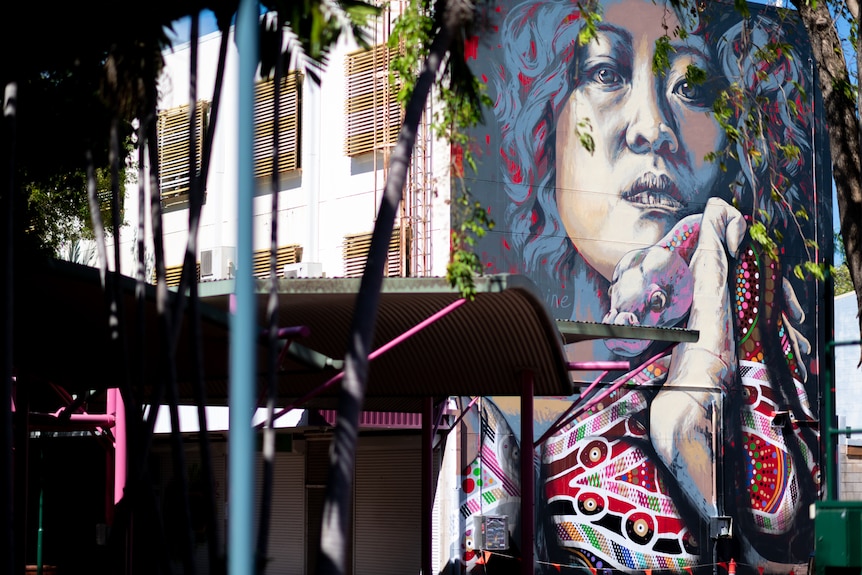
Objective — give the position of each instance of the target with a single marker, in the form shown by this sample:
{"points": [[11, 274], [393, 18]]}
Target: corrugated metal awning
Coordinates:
{"points": [[480, 348]]}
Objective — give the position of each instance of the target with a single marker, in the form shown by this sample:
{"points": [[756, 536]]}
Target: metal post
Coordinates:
{"points": [[427, 483], [41, 531], [828, 416], [527, 474], [242, 333], [21, 436]]}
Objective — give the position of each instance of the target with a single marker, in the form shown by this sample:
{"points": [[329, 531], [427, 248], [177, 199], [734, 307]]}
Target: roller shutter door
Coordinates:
{"points": [[286, 546], [388, 508], [316, 471], [162, 472]]}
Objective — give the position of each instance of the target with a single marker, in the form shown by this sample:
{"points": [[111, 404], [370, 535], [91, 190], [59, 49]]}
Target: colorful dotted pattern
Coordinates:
{"points": [[603, 474], [767, 469], [747, 296], [771, 482], [490, 480], [683, 236]]}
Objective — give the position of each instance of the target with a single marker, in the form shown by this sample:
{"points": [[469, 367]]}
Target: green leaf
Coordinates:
{"points": [[817, 270], [661, 55], [695, 75], [588, 143], [461, 98], [760, 235], [590, 18]]}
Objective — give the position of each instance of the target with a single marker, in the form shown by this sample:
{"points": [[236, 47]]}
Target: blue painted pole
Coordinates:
{"points": [[242, 336]]}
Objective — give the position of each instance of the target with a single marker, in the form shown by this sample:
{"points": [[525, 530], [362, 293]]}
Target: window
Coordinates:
{"points": [[355, 251], [290, 254], [174, 149], [372, 109], [290, 114]]}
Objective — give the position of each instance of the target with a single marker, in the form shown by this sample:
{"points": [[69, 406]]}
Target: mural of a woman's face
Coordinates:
{"points": [[651, 134]]}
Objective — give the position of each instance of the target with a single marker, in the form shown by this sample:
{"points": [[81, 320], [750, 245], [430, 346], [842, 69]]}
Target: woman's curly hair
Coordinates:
{"points": [[541, 42]]}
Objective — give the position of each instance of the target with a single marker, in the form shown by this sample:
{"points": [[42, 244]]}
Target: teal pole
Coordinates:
{"points": [[242, 338], [41, 525], [39, 536]]}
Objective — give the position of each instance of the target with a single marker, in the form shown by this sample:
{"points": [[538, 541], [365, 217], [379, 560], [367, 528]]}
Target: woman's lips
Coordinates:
{"points": [[656, 192]]}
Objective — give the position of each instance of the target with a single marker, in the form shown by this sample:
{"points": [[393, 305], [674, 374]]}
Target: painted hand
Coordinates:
{"points": [[794, 317], [684, 412], [653, 286]]}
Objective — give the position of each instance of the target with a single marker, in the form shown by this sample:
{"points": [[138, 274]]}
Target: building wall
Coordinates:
{"points": [[594, 167], [331, 195], [850, 470], [848, 408]]}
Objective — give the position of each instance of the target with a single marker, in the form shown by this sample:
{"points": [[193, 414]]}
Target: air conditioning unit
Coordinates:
{"points": [[491, 532], [303, 270], [218, 263]]}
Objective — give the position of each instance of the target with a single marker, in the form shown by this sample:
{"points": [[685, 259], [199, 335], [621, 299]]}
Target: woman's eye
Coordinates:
{"points": [[690, 92], [606, 76]]}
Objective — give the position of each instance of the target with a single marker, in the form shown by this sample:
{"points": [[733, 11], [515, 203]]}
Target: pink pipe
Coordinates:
{"points": [[561, 420], [595, 365], [102, 420], [574, 413], [292, 332], [374, 354], [117, 408], [590, 387], [464, 412], [110, 464], [85, 419], [620, 382], [64, 395]]}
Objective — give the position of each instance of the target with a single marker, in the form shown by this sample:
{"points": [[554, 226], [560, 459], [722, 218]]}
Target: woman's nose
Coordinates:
{"points": [[649, 130]]}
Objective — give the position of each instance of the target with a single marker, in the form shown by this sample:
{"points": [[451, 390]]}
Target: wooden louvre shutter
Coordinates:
{"points": [[290, 254], [372, 109], [288, 126], [173, 274], [174, 148], [355, 250]]}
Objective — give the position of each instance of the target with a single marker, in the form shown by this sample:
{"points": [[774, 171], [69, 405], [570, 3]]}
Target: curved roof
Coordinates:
{"points": [[478, 348], [434, 344]]}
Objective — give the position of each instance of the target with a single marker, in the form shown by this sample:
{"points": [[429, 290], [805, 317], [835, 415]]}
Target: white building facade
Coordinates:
{"points": [[848, 407], [333, 162]]}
